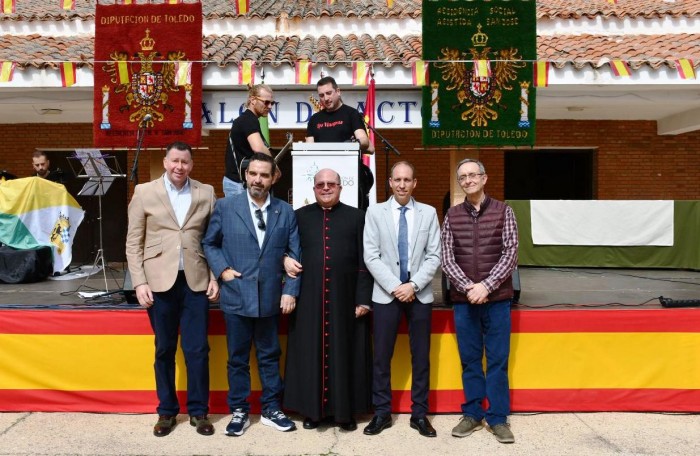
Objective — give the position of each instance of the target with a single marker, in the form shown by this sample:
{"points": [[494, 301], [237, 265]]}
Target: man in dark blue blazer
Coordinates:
{"points": [[248, 236]]}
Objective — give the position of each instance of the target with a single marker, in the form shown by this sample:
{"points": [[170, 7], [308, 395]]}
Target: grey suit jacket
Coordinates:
{"points": [[381, 251]]}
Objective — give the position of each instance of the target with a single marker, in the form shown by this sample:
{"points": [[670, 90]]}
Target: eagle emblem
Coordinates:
{"points": [[479, 89]]}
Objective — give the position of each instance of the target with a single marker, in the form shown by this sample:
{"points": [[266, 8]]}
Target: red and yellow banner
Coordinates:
{"points": [[242, 6], [8, 6], [7, 71], [420, 73], [620, 68], [541, 76], [685, 68], [68, 5], [568, 360], [302, 72], [246, 72], [360, 73], [68, 73], [150, 68]]}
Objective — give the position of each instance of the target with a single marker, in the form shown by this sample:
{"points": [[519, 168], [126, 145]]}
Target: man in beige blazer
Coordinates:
{"points": [[167, 219]]}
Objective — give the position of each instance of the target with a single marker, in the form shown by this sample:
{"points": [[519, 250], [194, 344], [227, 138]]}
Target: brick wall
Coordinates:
{"points": [[632, 161]]}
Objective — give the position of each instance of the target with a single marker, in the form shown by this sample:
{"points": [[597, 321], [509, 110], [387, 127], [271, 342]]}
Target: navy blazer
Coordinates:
{"points": [[231, 241]]}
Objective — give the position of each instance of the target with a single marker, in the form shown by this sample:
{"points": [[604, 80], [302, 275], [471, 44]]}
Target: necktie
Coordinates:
{"points": [[403, 245]]}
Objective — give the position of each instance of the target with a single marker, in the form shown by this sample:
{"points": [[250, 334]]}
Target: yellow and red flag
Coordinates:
{"points": [[541, 75], [390, 3], [246, 72], [7, 70], [8, 6], [183, 73], [482, 68], [242, 6], [370, 109], [685, 68], [68, 5], [125, 2], [360, 73], [612, 2], [330, 2], [173, 2], [620, 68], [420, 73], [68, 73], [302, 72]]}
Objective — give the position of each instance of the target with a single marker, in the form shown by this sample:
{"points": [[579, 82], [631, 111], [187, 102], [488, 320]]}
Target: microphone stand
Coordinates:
{"points": [[140, 134], [388, 147]]}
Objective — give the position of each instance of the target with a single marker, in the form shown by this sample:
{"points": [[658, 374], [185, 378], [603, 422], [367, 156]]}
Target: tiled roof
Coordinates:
{"points": [[575, 9], [50, 10], [580, 50]]}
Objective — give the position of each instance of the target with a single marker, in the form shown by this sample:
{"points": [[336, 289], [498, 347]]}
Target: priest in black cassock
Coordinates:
{"points": [[328, 374]]}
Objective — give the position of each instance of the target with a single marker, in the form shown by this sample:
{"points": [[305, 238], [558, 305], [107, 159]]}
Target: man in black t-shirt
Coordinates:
{"points": [[245, 137], [337, 122]]}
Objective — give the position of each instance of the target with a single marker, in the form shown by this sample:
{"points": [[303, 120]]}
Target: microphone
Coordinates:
{"points": [[147, 118]]}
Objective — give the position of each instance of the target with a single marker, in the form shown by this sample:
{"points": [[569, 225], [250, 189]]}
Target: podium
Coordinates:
{"points": [[310, 158]]}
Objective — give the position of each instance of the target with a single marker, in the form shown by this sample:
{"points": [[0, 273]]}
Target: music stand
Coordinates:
{"points": [[100, 171]]}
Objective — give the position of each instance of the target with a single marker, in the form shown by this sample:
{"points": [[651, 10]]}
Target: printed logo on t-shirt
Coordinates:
{"points": [[329, 124]]}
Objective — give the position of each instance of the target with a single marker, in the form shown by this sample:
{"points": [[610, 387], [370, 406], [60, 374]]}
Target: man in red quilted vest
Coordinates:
{"points": [[479, 253]]}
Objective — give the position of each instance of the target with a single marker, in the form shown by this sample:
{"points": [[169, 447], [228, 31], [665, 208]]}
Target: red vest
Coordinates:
{"points": [[478, 244]]}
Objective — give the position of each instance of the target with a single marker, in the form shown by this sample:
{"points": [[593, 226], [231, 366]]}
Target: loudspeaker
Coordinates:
{"points": [[516, 285], [128, 289]]}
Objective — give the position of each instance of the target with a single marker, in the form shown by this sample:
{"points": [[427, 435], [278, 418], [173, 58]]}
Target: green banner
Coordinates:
{"points": [[480, 56]]}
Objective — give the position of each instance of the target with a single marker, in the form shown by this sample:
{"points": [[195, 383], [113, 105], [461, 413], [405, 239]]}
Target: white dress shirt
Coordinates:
{"points": [[253, 207], [180, 200]]}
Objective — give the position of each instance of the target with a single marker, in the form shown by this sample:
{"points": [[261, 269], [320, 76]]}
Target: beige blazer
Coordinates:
{"points": [[154, 238]]}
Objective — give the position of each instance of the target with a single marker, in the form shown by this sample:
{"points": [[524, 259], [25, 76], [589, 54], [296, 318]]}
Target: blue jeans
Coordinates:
{"points": [[479, 328], [231, 187], [240, 333], [186, 310]]}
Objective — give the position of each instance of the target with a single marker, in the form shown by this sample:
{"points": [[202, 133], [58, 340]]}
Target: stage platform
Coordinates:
{"points": [[583, 340]]}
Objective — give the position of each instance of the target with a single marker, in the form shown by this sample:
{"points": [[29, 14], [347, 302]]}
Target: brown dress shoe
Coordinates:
{"points": [[165, 424], [202, 424]]}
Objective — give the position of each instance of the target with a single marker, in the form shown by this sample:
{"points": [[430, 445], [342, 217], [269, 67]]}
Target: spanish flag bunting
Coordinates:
{"points": [[482, 68], [620, 68], [242, 6], [612, 2], [360, 73], [330, 2], [368, 114], [183, 73], [123, 72], [8, 6], [541, 75], [246, 72], [125, 2], [685, 68], [303, 72], [68, 5], [68, 74], [390, 3], [7, 70], [173, 2], [420, 73]]}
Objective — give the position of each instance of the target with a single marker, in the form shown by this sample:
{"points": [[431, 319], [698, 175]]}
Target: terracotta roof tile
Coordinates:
{"points": [[575, 9], [223, 50], [50, 10]]}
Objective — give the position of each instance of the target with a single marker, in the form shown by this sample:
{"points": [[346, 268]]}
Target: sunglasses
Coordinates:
{"points": [[267, 103], [321, 185], [261, 221]]}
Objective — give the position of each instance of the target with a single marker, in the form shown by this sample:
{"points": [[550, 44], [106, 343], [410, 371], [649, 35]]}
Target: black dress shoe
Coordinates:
{"points": [[310, 424], [165, 424], [349, 426], [202, 424], [378, 424], [423, 426]]}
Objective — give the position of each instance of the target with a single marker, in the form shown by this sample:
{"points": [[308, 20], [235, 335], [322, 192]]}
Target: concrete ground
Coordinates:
{"points": [[536, 434]]}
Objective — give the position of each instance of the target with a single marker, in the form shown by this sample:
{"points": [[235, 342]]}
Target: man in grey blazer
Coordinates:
{"points": [[248, 236], [402, 252]]}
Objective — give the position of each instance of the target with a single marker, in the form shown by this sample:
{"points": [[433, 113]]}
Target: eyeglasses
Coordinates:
{"points": [[322, 185], [470, 176], [261, 220], [267, 103]]}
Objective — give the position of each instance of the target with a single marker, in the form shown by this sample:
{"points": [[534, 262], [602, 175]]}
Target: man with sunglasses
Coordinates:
{"points": [[245, 137], [328, 367], [247, 238]]}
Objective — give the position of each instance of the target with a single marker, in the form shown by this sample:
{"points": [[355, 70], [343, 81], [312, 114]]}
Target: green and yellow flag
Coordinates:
{"points": [[36, 212]]}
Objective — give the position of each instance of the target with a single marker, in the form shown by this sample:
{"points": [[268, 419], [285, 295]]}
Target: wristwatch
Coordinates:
{"points": [[416, 288]]}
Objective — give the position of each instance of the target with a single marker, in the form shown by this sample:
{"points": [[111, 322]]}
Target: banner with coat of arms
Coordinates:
{"points": [[481, 55], [148, 74]]}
